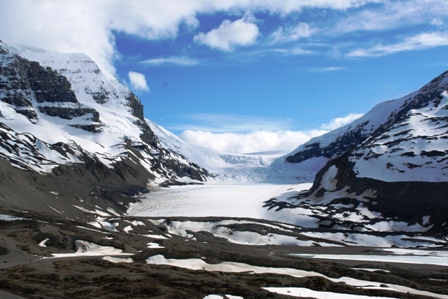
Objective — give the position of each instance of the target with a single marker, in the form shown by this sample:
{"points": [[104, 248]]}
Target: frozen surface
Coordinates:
{"points": [[215, 200]]}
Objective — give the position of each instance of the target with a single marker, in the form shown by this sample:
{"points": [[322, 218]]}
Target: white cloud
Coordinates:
{"points": [[395, 15], [418, 42], [229, 35], [248, 134], [175, 60], [138, 81], [65, 26], [326, 69], [287, 34], [341, 121], [253, 142], [88, 26]]}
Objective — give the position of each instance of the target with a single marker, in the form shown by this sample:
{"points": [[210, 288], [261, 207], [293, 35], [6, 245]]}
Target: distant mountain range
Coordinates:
{"points": [[72, 138]]}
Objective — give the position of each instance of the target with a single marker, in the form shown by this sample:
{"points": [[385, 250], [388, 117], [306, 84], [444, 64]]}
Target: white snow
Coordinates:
{"points": [[152, 245], [371, 270], [127, 229], [160, 237], [227, 296], [303, 292], [329, 178], [365, 239], [117, 260], [215, 200], [396, 155], [10, 218], [42, 244], [84, 248], [221, 229], [234, 267]]}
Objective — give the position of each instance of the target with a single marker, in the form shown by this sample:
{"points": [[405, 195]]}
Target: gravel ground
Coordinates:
{"points": [[25, 273]]}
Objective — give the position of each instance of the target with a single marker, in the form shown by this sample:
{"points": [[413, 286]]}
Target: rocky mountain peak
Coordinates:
{"points": [[63, 118]]}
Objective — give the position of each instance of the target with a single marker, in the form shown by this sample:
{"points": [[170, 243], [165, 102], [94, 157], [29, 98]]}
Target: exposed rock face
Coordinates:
{"points": [[26, 85]]}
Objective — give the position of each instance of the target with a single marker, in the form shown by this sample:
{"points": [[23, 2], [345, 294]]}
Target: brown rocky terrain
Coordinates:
{"points": [[25, 271]]}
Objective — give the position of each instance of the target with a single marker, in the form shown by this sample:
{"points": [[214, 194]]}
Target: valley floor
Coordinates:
{"points": [[220, 200], [214, 241]]}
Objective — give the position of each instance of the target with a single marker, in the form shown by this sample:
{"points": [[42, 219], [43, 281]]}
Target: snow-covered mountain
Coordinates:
{"points": [[311, 156], [391, 163], [61, 111]]}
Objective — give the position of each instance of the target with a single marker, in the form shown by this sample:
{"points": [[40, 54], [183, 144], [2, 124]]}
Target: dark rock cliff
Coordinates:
{"points": [[28, 86]]}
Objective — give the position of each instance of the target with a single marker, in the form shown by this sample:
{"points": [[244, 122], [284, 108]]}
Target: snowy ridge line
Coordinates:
{"points": [[102, 118], [412, 150]]}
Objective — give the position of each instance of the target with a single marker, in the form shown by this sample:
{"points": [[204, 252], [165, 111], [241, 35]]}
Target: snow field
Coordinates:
{"points": [[234, 267], [245, 201]]}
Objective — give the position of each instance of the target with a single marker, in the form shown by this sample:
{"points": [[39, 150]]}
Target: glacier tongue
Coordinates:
{"points": [[229, 168]]}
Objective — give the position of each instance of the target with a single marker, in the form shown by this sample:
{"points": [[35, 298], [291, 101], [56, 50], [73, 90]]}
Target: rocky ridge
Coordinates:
{"points": [[396, 168]]}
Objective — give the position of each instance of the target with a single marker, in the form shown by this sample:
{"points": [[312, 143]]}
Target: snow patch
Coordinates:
{"points": [[329, 178]]}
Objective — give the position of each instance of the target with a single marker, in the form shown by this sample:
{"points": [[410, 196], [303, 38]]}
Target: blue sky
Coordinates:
{"points": [[247, 76]]}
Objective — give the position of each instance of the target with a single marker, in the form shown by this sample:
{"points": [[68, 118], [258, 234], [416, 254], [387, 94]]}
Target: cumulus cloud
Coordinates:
{"points": [[418, 42], [231, 134], [65, 26], [229, 35], [253, 142], [138, 81], [89, 26], [341, 121]]}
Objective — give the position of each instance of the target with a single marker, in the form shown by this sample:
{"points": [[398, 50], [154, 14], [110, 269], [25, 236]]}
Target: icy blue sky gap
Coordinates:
{"points": [[222, 73]]}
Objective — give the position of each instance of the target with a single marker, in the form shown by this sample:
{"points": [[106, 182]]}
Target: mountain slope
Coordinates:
{"points": [[397, 171], [62, 117], [314, 154]]}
